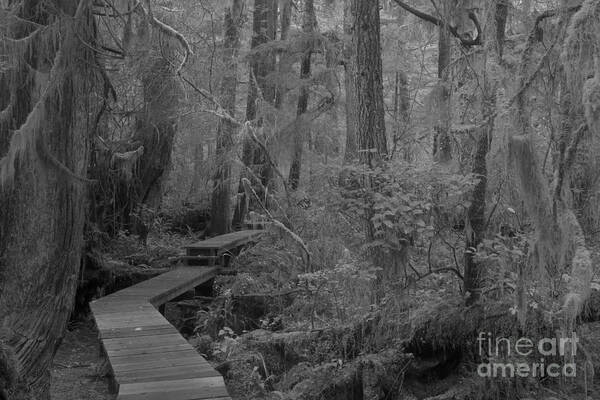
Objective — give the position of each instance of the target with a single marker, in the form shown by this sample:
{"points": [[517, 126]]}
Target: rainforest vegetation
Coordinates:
{"points": [[426, 173]]}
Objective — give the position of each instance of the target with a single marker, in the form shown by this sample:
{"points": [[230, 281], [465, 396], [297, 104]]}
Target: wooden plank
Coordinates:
{"points": [[143, 342], [180, 389], [166, 374], [139, 359], [137, 332], [106, 324], [181, 363], [205, 274], [116, 307], [147, 350], [130, 315], [217, 242]]}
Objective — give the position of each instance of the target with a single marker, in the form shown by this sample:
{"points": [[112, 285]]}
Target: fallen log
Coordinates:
{"points": [[372, 376]]}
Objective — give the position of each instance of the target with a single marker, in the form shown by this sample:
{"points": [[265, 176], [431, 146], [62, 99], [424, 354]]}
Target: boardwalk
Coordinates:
{"points": [[224, 243], [149, 359]]}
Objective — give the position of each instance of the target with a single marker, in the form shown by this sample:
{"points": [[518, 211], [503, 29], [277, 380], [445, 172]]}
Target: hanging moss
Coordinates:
{"points": [[582, 44]]}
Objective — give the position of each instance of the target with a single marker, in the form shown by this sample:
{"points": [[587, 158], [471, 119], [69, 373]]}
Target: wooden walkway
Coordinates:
{"points": [[149, 359], [217, 247]]}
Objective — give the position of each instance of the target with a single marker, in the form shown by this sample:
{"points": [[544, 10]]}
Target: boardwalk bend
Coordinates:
{"points": [[149, 359]]}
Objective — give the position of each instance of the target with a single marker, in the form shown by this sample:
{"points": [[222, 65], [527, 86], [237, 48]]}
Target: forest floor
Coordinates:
{"points": [[78, 370]]}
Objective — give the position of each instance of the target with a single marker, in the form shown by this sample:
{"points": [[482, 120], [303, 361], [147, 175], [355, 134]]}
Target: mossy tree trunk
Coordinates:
{"points": [[43, 200], [157, 123], [476, 223], [132, 171], [309, 26], [221, 199], [262, 63]]}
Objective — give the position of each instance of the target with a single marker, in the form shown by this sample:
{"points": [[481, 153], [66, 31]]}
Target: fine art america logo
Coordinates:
{"points": [[546, 353]]}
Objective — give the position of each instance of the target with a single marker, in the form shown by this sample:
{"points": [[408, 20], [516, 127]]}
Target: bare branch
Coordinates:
{"points": [[169, 31], [220, 111], [439, 22], [277, 223]]}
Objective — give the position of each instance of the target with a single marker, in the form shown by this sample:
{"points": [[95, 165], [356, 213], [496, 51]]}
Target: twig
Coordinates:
{"points": [[277, 223], [220, 112]]}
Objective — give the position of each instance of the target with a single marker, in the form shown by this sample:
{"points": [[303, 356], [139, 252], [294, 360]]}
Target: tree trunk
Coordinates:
{"points": [[368, 80], [401, 116], [442, 145], [285, 60], [351, 105], [261, 65], [156, 128], [309, 26], [475, 226], [372, 141], [129, 182], [43, 199], [476, 221], [221, 199]]}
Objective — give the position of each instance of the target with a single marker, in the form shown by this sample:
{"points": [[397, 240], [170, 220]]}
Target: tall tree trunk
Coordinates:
{"points": [[156, 125], [221, 199], [401, 115], [475, 221], [351, 105], [154, 130], [442, 145], [475, 226], [309, 26], [264, 27], [42, 189], [368, 79], [285, 60]]}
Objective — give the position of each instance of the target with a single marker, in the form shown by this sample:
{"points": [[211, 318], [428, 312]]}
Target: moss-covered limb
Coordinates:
{"points": [[450, 329], [345, 342]]}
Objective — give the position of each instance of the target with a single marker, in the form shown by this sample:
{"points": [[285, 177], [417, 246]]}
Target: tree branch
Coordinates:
{"points": [[251, 193], [439, 22], [169, 31]]}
